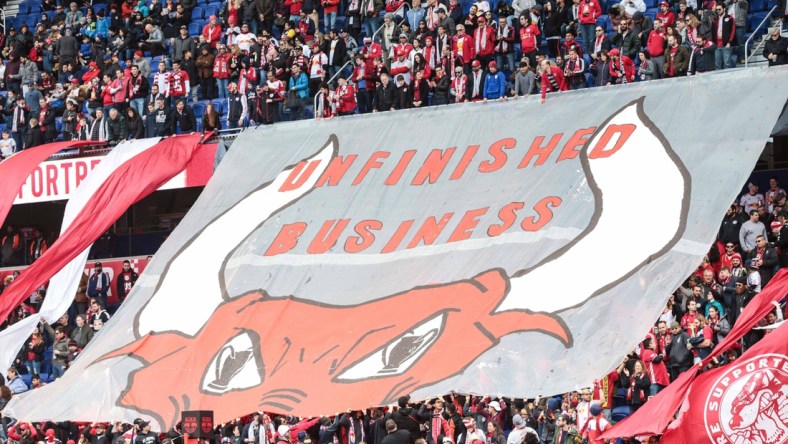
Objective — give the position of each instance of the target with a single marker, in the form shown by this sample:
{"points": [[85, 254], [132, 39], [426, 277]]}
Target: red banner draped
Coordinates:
{"points": [[659, 410], [132, 181]]}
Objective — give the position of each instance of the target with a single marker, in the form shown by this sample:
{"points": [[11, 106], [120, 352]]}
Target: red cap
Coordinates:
{"points": [[137, 53], [613, 52], [401, 52], [428, 39], [493, 65], [476, 63], [50, 432]]}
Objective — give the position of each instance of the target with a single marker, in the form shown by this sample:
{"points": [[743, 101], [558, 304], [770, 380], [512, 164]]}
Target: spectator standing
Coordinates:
{"points": [[676, 59], [637, 383], [205, 63], [723, 28], [776, 48], [99, 285], [116, 127], [738, 9], [183, 121], [749, 231]]}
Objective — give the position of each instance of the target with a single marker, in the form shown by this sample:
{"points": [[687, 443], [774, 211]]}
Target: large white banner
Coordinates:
{"points": [[511, 248]]}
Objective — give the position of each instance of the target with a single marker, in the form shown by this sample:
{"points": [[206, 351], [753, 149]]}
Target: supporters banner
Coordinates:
{"points": [[662, 407], [18, 167], [58, 179], [743, 402], [511, 248]]}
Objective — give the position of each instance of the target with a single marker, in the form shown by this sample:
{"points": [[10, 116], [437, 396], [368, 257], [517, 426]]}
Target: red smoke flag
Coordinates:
{"points": [[743, 402], [655, 418]]}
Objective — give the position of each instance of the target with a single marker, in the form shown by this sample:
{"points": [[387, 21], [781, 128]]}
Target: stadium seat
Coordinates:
{"points": [[99, 7], [35, 8], [18, 22], [219, 105], [603, 21], [211, 10], [31, 21], [619, 413], [199, 110], [197, 13], [651, 13], [757, 5], [756, 19], [24, 9], [651, 3], [194, 29]]}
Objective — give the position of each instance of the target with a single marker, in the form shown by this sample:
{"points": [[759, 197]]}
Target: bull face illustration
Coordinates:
{"points": [[296, 356]]}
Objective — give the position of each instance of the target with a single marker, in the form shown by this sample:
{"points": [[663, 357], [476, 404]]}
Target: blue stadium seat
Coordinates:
{"points": [[199, 110], [651, 13], [19, 21], [757, 5], [756, 19], [51, 15], [59, 124], [24, 9], [219, 105], [197, 13], [619, 413], [31, 21], [35, 8], [211, 10], [651, 3], [194, 29], [99, 7]]}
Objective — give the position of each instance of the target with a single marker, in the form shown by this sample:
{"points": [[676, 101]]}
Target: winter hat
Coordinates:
{"points": [[553, 404], [476, 63], [595, 409], [613, 52], [50, 432], [282, 430], [493, 65], [301, 435], [776, 225], [72, 343]]}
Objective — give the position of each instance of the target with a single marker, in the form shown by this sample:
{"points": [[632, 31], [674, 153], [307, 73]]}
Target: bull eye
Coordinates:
{"points": [[399, 355], [237, 365]]}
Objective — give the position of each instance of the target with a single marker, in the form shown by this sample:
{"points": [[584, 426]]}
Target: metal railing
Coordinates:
{"points": [[747, 54], [3, 16], [334, 77]]}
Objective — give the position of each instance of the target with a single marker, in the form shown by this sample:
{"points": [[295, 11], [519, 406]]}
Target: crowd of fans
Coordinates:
{"points": [[144, 68]]}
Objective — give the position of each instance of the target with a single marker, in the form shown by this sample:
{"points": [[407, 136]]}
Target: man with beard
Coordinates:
{"points": [[126, 280]]}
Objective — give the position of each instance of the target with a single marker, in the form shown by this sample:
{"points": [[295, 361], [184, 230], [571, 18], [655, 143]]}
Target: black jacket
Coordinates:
{"points": [[135, 128], [33, 137], [677, 350], [407, 419], [116, 129], [731, 225], [184, 121], [340, 52], [778, 47], [384, 97]]}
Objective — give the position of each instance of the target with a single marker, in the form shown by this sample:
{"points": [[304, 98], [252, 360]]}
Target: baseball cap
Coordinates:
{"points": [[476, 63]]}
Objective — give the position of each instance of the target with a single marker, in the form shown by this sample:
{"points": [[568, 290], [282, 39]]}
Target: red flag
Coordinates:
{"points": [[17, 168], [132, 181], [653, 419], [743, 402]]}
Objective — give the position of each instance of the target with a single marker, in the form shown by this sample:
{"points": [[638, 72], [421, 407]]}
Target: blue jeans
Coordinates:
{"points": [[722, 57], [740, 41], [57, 371], [589, 35], [499, 58], [33, 367], [221, 85], [329, 21], [371, 24], [654, 389], [138, 104]]}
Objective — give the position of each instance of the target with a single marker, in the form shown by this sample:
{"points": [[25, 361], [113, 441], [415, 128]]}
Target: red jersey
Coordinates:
{"points": [[179, 83], [528, 37], [657, 371]]}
